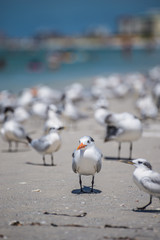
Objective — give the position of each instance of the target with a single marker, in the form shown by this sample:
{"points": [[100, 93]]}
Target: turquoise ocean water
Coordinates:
{"points": [[20, 69]]}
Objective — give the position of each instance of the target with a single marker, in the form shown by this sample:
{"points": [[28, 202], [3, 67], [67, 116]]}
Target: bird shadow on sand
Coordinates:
{"points": [[146, 210], [15, 150], [86, 190], [40, 164], [116, 158]]}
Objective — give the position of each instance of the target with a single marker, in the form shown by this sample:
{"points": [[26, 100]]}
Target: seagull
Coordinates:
{"points": [[101, 111], [156, 94], [12, 131], [26, 97], [86, 159], [21, 115], [47, 144], [48, 95], [145, 178], [71, 112], [147, 107], [74, 92], [53, 119], [123, 127], [100, 115], [39, 109]]}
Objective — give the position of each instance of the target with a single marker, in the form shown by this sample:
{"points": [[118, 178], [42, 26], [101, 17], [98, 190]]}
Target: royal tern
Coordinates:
{"points": [[21, 114], [11, 130], [147, 107], [74, 92], [123, 127], [47, 144], [156, 94], [86, 159], [48, 95], [102, 102], [26, 97], [71, 113], [101, 111], [145, 178], [52, 119], [39, 109]]}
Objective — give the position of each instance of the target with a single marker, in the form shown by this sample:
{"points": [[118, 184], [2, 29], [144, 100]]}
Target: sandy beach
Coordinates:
{"points": [[44, 202]]}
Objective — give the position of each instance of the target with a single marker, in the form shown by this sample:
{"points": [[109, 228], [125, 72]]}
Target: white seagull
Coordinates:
{"points": [[71, 113], [39, 109], [12, 131], [53, 119], [86, 159], [147, 107], [145, 178], [101, 111], [123, 127], [100, 115], [47, 144], [21, 115]]}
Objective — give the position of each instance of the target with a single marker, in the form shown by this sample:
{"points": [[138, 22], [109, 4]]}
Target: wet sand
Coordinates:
{"points": [[44, 202]]}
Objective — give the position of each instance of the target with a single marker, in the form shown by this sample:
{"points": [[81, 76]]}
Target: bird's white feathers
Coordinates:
{"points": [[47, 144], [128, 127], [145, 178], [13, 131], [87, 161]]}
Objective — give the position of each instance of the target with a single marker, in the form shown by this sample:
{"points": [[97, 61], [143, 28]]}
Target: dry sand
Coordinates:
{"points": [[29, 190]]}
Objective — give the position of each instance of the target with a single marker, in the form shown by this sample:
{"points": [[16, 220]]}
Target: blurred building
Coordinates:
{"points": [[147, 25]]}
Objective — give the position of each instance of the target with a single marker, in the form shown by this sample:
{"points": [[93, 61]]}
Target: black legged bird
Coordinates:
{"points": [[87, 159], [146, 179], [123, 127], [47, 144], [12, 131]]}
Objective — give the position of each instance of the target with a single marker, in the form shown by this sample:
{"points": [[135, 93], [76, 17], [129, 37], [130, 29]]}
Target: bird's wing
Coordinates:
{"points": [[41, 144], [119, 131], [152, 183], [19, 132], [99, 165], [99, 162], [74, 165], [114, 131]]}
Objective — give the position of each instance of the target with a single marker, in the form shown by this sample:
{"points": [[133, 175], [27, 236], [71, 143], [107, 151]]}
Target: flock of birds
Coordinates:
{"points": [[60, 109]]}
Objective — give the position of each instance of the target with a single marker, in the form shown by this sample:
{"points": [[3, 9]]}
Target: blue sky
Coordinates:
{"points": [[22, 18]]}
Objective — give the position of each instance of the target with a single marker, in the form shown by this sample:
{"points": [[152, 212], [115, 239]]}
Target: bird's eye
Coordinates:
{"points": [[139, 162], [88, 141]]}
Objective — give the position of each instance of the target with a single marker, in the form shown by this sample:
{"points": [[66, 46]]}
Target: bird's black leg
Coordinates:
{"points": [[80, 183], [119, 150], [52, 160], [92, 183], [150, 201], [44, 160], [130, 155]]}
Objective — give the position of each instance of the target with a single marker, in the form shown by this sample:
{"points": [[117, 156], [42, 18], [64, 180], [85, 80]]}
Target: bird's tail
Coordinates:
{"points": [[111, 131], [29, 139]]}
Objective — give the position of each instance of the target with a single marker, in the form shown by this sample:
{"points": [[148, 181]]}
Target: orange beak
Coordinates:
{"points": [[81, 146]]}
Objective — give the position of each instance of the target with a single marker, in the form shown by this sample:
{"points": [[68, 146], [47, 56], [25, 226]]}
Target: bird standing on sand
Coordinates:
{"points": [[123, 127], [147, 107], [71, 112], [101, 111], [47, 144], [86, 159], [11, 130], [145, 178], [21, 115], [52, 119]]}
